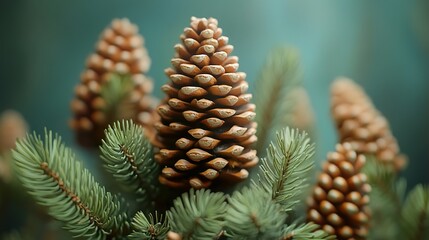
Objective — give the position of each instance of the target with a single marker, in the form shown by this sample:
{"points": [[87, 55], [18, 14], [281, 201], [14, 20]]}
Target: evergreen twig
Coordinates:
{"points": [[284, 170], [154, 228], [198, 214], [128, 157], [280, 74], [58, 181], [253, 215], [415, 214], [386, 198], [305, 231]]}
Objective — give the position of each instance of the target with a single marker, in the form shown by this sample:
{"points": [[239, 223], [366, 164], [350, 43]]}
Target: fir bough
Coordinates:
{"points": [[415, 214], [284, 171], [127, 155], [198, 214], [154, 228], [252, 215], [279, 76], [304, 232], [56, 180]]}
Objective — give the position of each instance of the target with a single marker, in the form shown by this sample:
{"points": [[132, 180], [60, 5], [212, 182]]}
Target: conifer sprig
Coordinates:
{"points": [[387, 194], [253, 215], [284, 170], [415, 214], [154, 228], [280, 74], [127, 154], [53, 176], [304, 232], [198, 214]]}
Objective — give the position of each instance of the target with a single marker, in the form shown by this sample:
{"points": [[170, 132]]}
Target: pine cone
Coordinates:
{"points": [[339, 201], [360, 124], [206, 128], [119, 50]]}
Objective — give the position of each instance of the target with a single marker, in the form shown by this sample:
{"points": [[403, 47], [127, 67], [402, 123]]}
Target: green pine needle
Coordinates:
{"points": [[198, 214], [252, 215], [284, 171], [154, 228], [305, 231], [415, 214], [52, 175], [128, 157], [280, 74]]}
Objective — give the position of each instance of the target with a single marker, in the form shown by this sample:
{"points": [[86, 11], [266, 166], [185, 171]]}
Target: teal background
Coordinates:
{"points": [[382, 45]]}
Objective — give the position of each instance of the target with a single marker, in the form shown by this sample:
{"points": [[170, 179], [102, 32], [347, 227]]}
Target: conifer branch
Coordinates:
{"points": [[280, 74], [116, 92], [305, 231], [253, 215], [128, 157], [154, 228], [52, 175], [386, 198], [284, 170], [415, 214], [198, 214]]}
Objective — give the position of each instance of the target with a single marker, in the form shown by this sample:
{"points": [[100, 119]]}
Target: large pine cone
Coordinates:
{"points": [[119, 50], [339, 203], [360, 124], [206, 128]]}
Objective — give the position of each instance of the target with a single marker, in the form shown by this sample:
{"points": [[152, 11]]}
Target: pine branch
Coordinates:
{"points": [[284, 170], [52, 175], [198, 214], [154, 228], [305, 231], [280, 74], [386, 199], [116, 93], [252, 215], [415, 214], [128, 157]]}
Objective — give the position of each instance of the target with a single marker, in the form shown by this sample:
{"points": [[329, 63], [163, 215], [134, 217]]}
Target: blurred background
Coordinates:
{"points": [[385, 48]]}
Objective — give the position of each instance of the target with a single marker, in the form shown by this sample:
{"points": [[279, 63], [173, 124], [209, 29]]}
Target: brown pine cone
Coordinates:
{"points": [[360, 124], [206, 128], [339, 203], [119, 50]]}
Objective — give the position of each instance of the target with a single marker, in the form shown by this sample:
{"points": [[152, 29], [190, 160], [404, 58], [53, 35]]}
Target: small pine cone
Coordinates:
{"points": [[119, 50], [360, 124], [339, 203], [206, 128]]}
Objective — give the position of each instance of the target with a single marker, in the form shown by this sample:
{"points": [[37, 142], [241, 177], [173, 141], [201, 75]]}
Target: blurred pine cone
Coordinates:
{"points": [[206, 129], [360, 124], [339, 203], [120, 50]]}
